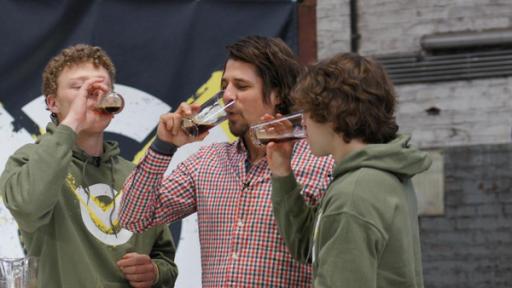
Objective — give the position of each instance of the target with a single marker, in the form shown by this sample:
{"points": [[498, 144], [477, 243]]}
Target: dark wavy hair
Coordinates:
{"points": [[275, 63], [352, 92]]}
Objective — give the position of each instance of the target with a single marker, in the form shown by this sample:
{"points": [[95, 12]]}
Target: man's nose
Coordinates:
{"points": [[228, 95]]}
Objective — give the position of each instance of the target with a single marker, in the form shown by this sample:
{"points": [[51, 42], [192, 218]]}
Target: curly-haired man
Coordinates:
{"points": [[64, 191], [364, 233]]}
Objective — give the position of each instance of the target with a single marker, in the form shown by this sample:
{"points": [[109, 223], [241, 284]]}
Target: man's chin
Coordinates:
{"points": [[237, 130], [98, 126], [95, 129]]}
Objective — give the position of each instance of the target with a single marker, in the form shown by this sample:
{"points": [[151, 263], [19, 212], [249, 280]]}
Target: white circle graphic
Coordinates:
{"points": [[96, 214]]}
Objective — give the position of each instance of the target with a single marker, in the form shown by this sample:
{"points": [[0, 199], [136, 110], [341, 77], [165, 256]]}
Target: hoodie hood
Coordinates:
{"points": [[110, 149], [396, 157]]}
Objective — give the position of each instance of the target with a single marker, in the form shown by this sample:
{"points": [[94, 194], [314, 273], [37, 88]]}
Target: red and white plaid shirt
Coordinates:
{"points": [[240, 242]]}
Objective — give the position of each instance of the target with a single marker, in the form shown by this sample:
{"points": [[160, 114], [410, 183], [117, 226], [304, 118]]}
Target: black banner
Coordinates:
{"points": [[164, 51], [168, 49]]}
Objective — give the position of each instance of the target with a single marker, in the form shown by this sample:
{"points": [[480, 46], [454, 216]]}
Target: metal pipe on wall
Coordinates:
{"points": [[458, 40]]}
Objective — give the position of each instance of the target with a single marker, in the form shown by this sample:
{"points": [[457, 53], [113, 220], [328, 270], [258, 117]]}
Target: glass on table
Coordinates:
{"points": [[18, 272], [287, 128], [211, 113]]}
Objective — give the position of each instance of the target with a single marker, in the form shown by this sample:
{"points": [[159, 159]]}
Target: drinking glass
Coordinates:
{"points": [[211, 113], [18, 272], [286, 128], [111, 102], [108, 101]]}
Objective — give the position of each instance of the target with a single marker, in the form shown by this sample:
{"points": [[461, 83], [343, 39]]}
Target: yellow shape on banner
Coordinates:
{"points": [[138, 157]]}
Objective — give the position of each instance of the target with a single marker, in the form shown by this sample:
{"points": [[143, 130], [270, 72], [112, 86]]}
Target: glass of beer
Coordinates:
{"points": [[286, 128], [211, 113], [111, 102], [107, 101]]}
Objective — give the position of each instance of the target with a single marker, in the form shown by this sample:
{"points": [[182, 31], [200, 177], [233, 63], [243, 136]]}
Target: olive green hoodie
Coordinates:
{"points": [[61, 199], [364, 233]]}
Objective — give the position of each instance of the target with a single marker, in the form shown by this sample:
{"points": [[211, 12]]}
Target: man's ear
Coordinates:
{"points": [[51, 103], [274, 100]]}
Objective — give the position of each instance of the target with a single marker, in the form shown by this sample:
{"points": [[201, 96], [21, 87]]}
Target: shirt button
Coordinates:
{"points": [[240, 223], [235, 255]]}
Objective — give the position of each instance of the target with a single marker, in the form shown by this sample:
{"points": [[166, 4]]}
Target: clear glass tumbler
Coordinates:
{"points": [[286, 128], [212, 113], [18, 272]]}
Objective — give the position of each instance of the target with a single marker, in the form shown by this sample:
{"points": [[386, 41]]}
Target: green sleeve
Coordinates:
{"points": [[162, 254], [33, 177], [348, 252], [295, 219]]}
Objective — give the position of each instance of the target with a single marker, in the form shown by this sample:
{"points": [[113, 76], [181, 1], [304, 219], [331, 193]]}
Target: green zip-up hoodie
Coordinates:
{"points": [[61, 199], [364, 233]]}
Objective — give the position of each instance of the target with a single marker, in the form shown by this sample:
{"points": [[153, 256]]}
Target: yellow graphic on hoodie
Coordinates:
{"points": [[100, 213]]}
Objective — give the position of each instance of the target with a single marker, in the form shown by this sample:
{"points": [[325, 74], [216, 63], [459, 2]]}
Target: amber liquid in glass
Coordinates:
{"points": [[265, 141], [113, 108], [264, 137], [196, 129]]}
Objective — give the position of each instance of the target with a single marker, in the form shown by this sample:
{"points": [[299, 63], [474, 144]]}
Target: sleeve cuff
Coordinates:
{"points": [[285, 184], [65, 135], [164, 148], [157, 270]]}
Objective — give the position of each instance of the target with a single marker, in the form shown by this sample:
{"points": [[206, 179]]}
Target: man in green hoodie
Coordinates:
{"points": [[64, 191], [364, 233]]}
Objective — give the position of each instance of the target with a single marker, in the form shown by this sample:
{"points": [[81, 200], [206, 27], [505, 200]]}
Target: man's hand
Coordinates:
{"points": [[279, 155], [138, 269], [87, 96], [169, 128]]}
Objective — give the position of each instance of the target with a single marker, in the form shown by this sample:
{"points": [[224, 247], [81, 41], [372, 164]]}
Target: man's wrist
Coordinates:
{"points": [[157, 273], [164, 148], [282, 172], [71, 124], [284, 184]]}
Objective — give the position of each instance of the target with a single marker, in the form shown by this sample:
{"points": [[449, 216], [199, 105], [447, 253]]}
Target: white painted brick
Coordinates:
{"points": [[333, 27]]}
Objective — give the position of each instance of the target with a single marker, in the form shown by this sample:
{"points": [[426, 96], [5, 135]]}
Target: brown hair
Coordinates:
{"points": [[352, 92], [276, 65], [77, 54]]}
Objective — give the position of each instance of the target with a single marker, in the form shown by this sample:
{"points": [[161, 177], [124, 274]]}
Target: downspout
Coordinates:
{"points": [[354, 30]]}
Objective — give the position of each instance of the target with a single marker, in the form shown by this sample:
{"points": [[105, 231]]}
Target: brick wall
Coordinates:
{"points": [[471, 244], [470, 112], [333, 27], [396, 26]]}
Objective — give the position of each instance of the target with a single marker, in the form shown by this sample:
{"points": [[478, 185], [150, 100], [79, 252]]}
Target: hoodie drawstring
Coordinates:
{"points": [[113, 194], [86, 187]]}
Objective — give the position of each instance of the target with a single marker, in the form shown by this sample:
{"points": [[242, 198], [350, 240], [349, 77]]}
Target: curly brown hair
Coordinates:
{"points": [[276, 65], [352, 92], [77, 54]]}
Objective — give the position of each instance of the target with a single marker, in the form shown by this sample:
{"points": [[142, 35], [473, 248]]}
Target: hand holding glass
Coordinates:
{"points": [[211, 113], [282, 129]]}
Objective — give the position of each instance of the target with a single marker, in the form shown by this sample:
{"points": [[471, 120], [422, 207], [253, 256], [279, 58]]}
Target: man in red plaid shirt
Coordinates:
{"points": [[228, 184]]}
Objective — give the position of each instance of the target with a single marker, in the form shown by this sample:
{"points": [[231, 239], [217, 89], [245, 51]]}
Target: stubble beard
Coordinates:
{"points": [[238, 129]]}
